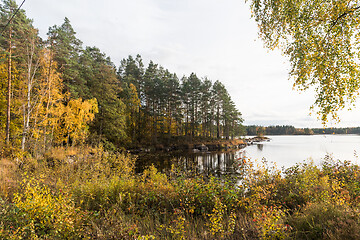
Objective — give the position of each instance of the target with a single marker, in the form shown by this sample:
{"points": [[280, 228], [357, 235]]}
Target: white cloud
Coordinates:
{"points": [[212, 38]]}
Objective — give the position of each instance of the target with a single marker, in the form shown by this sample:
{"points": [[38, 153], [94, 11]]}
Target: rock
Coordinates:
{"points": [[202, 148], [159, 147], [212, 147]]}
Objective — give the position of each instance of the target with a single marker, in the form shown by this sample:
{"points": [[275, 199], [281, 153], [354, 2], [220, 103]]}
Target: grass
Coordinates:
{"points": [[88, 193]]}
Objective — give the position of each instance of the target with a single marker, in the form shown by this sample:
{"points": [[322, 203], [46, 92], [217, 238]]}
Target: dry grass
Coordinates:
{"points": [[8, 177], [112, 202]]}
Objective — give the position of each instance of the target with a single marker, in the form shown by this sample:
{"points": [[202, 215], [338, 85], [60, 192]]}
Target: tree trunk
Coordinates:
{"points": [[8, 112], [49, 96], [218, 123], [28, 108]]}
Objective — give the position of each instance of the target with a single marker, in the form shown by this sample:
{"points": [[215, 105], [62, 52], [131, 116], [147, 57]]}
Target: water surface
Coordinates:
{"points": [[285, 151], [288, 150]]}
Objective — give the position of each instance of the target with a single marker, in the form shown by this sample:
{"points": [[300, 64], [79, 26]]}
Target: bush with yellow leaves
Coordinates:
{"points": [[42, 213]]}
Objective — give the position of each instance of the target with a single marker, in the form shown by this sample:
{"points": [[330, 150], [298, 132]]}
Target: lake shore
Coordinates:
{"points": [[199, 145], [100, 196]]}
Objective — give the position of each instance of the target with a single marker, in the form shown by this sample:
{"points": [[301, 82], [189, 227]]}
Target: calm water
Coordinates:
{"points": [[285, 151], [218, 163], [288, 150]]}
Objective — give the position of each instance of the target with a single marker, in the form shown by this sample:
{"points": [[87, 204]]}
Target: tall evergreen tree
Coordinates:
{"points": [[102, 84], [172, 90], [67, 50], [131, 71], [218, 91], [205, 106], [192, 95]]}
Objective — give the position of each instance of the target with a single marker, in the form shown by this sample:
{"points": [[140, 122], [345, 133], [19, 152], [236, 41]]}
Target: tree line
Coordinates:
{"points": [[58, 92], [254, 130], [160, 105], [350, 130]]}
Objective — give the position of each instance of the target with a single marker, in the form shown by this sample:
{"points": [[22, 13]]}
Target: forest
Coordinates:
{"points": [[254, 130], [58, 92]]}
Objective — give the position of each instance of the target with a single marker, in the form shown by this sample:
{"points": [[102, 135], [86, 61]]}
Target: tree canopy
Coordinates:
{"points": [[58, 92], [321, 39]]}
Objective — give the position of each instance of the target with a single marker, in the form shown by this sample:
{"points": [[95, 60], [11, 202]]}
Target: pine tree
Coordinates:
{"points": [[131, 71], [205, 106], [67, 50], [103, 84], [218, 92]]}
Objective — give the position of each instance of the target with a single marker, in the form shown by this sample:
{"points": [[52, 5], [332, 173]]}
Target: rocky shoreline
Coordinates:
{"points": [[204, 146]]}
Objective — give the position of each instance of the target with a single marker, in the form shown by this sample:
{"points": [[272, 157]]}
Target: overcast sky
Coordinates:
{"points": [[213, 38]]}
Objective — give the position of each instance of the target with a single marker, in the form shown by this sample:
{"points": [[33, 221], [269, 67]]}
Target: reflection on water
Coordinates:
{"points": [[218, 163], [260, 146], [285, 151]]}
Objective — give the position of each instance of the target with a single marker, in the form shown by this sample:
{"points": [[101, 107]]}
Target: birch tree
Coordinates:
{"points": [[321, 40]]}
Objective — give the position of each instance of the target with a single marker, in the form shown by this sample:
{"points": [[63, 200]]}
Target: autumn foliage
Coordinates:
{"points": [[78, 193]]}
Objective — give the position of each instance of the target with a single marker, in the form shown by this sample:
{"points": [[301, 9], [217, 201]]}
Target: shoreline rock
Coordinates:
{"points": [[203, 146]]}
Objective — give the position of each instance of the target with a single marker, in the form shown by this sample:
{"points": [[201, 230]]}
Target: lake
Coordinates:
{"points": [[285, 151], [288, 150]]}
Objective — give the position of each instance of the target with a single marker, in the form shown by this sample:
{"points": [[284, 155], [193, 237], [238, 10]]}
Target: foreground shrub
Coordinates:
{"points": [[38, 212], [111, 224], [325, 221], [348, 176], [105, 199]]}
